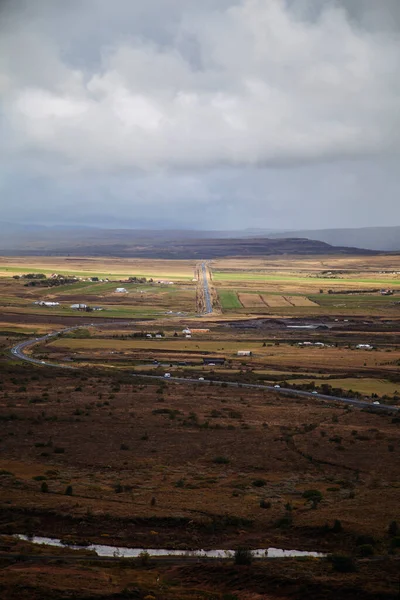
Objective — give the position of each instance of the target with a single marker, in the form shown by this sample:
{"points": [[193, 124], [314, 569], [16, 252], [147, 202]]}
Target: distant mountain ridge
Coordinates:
{"points": [[80, 240], [371, 238]]}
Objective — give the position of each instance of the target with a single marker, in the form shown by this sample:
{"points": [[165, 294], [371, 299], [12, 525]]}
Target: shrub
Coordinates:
{"points": [[337, 526], [124, 447], [265, 503], [243, 556], [58, 450], [393, 529], [313, 496], [284, 522], [221, 460], [343, 563], [395, 542], [365, 539], [44, 487], [68, 491], [144, 558], [365, 550], [259, 483]]}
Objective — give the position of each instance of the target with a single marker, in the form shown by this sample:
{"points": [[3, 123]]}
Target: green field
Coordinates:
{"points": [[250, 276], [102, 275], [353, 300], [228, 300], [363, 385]]}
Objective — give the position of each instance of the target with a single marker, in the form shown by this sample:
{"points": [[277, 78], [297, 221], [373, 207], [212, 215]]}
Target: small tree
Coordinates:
{"points": [[365, 550], [313, 496], [44, 487], [337, 526], [68, 491], [343, 564], [144, 558], [243, 556], [393, 529]]}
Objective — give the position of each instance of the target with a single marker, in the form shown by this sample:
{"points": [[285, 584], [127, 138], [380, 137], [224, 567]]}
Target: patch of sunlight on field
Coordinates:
{"points": [[228, 299], [363, 385]]}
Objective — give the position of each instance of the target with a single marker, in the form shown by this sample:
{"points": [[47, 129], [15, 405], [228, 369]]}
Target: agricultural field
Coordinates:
{"points": [[99, 267], [98, 452]]}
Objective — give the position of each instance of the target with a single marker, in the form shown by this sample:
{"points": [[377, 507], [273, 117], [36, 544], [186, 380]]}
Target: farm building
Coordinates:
{"points": [[214, 361], [79, 306], [121, 291], [244, 353], [186, 330], [364, 347]]}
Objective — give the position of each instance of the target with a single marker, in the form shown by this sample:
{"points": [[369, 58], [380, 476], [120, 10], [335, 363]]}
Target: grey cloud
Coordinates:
{"points": [[201, 106]]}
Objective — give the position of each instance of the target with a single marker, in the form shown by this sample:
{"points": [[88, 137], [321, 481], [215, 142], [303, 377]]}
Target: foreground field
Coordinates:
{"points": [[93, 454]]}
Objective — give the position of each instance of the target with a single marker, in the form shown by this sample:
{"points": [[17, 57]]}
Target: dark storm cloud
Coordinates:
{"points": [[200, 108]]}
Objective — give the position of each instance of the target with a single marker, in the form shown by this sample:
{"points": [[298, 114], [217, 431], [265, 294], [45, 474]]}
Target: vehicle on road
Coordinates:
{"points": [[201, 378], [167, 375], [277, 386], [315, 392], [376, 402]]}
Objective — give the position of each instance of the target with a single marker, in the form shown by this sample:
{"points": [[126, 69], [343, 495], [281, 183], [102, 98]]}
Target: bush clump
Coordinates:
{"points": [[243, 556], [342, 563], [221, 460]]}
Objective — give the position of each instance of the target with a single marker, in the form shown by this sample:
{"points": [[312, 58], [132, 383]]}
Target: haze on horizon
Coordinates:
{"points": [[219, 114]]}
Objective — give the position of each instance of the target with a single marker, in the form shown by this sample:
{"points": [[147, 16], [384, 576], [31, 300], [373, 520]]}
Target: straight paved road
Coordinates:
{"points": [[206, 288]]}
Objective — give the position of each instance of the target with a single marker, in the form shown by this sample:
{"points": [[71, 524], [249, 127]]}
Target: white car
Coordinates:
{"points": [[277, 386], [167, 375], [201, 378], [376, 402], [315, 392]]}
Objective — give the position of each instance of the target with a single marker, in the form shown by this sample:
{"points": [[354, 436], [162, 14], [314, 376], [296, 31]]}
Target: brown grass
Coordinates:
{"points": [[300, 301], [251, 301]]}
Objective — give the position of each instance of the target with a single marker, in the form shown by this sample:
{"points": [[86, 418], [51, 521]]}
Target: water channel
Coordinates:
{"points": [[123, 552]]}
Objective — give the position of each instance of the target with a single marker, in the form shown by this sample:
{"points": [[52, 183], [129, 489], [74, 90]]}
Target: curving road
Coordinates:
{"points": [[18, 351]]}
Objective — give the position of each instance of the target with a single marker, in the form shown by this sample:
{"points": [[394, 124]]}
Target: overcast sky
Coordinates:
{"points": [[217, 114]]}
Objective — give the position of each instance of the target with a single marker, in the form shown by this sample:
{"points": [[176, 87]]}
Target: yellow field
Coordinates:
{"points": [[275, 301], [103, 266], [300, 301], [363, 385], [251, 300]]}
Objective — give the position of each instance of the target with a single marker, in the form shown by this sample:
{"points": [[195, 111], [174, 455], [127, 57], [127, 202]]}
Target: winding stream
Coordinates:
{"points": [[122, 552]]}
